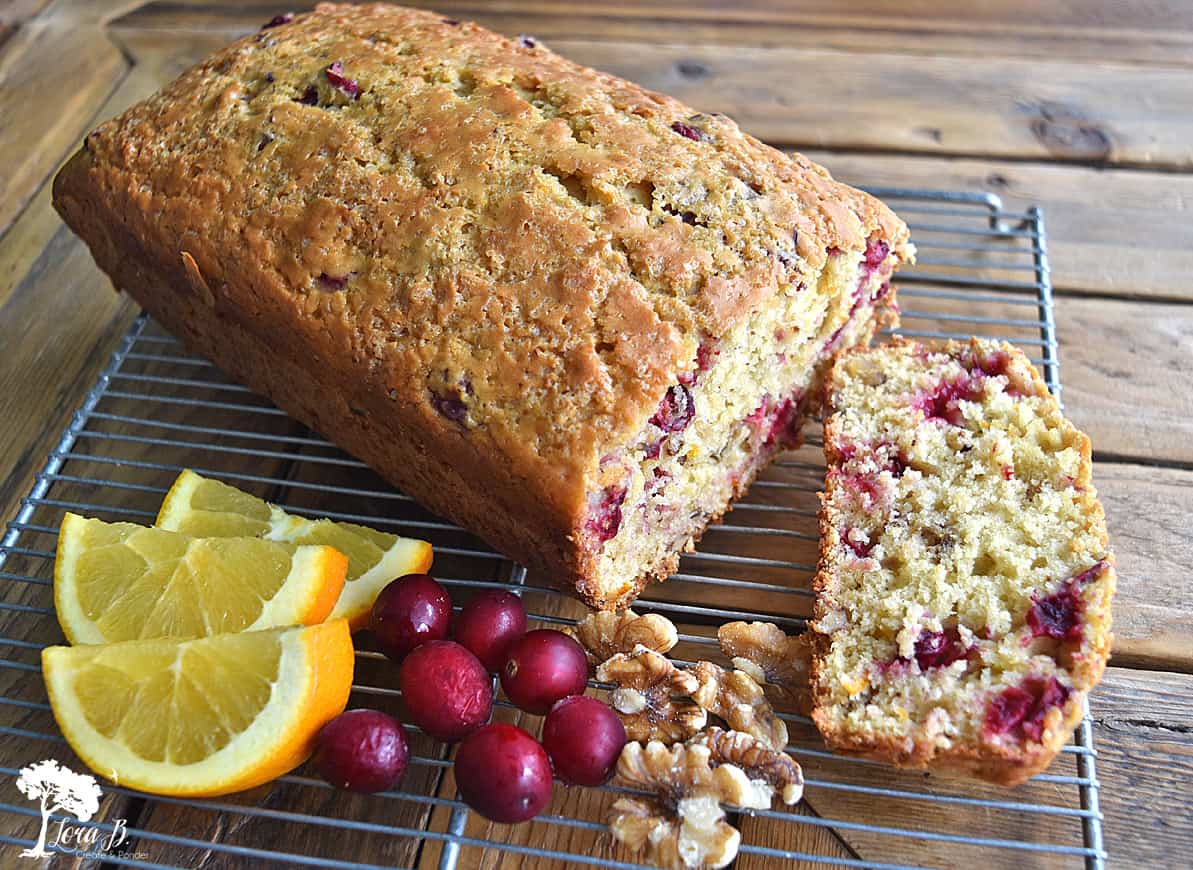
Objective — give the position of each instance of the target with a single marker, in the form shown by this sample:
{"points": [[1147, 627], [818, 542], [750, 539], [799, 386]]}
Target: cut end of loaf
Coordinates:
{"points": [[742, 402], [964, 585]]}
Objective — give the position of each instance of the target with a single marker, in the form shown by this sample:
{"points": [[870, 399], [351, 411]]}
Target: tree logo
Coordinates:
{"points": [[58, 789]]}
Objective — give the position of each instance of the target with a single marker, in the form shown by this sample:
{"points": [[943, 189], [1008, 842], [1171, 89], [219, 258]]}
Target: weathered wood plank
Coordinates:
{"points": [[1121, 232], [1106, 30], [55, 74], [1147, 511], [1120, 364], [1144, 735]]}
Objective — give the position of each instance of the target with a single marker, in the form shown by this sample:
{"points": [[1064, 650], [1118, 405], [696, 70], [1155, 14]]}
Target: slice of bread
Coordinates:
{"points": [[964, 584]]}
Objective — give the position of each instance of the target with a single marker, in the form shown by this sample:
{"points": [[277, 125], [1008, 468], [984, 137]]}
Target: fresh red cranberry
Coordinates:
{"points": [[993, 364], [584, 738], [503, 773], [336, 78], [446, 690], [861, 549], [785, 424], [876, 253], [362, 750], [756, 417], [544, 666], [941, 404], [489, 623], [1020, 710], [705, 355], [409, 611], [604, 516], [939, 649], [1088, 574], [687, 131], [676, 410], [867, 490], [1059, 615]]}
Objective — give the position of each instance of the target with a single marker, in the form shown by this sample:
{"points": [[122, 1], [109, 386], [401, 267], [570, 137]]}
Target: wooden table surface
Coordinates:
{"points": [[1085, 108]]}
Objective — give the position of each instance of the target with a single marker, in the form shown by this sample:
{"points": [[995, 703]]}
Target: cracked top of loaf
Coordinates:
{"points": [[510, 244]]}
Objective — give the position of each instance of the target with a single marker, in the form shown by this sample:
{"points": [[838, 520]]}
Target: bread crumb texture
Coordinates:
{"points": [[965, 582]]}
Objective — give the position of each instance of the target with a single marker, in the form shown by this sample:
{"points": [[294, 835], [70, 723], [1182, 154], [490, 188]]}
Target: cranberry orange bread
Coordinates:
{"points": [[572, 315], [963, 593]]}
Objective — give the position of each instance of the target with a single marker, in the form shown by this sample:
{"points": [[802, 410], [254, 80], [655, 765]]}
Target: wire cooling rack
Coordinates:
{"points": [[156, 409]]}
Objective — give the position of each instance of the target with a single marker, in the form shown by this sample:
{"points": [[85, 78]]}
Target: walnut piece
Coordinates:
{"points": [[605, 633], [768, 770], [776, 660], [737, 698], [646, 683], [683, 825]]}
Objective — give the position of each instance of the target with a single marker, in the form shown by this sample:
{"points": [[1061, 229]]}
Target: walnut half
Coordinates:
{"points": [[768, 770], [683, 824], [646, 685], [605, 633], [737, 698], [776, 660]]}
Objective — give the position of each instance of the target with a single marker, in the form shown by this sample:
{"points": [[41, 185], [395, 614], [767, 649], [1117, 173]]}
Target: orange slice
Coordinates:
{"points": [[200, 717]]}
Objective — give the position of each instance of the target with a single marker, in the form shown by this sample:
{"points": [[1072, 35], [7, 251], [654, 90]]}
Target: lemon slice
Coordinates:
{"points": [[203, 507], [200, 717], [119, 581]]}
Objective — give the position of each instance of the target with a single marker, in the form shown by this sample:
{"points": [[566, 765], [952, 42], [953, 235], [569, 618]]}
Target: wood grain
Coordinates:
{"points": [[1121, 362], [1148, 510], [1159, 32], [1121, 233], [55, 73], [1144, 734]]}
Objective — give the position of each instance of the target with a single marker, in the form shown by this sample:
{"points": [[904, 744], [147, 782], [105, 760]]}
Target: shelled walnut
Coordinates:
{"points": [[776, 660], [682, 825], [649, 696], [770, 770], [606, 633], [737, 698]]}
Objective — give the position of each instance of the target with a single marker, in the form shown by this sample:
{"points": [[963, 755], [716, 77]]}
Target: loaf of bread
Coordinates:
{"points": [[963, 594], [574, 316]]}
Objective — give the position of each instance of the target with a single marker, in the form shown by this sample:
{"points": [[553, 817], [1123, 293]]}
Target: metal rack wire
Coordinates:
{"points": [[155, 409]]}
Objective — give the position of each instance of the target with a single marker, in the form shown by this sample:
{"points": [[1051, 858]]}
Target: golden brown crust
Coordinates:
{"points": [[425, 213], [1003, 763]]}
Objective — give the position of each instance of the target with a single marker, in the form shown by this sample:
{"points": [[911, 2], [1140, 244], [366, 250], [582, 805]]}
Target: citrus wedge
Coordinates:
{"points": [[203, 507], [119, 581], [200, 717]]}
